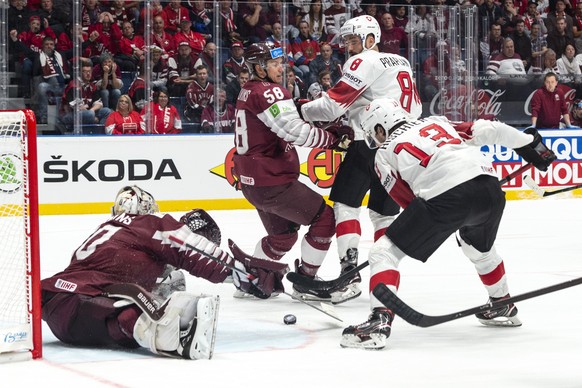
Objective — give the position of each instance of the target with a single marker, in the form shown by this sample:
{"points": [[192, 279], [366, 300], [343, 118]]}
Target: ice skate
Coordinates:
{"points": [[307, 294], [352, 289], [371, 334], [502, 316], [197, 336]]}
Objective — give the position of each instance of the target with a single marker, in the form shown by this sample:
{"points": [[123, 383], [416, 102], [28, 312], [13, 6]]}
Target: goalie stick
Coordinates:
{"points": [[135, 294], [394, 303], [544, 193], [343, 280], [326, 309]]}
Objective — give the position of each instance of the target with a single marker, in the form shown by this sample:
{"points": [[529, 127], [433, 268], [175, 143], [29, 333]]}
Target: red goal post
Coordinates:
{"points": [[20, 297]]}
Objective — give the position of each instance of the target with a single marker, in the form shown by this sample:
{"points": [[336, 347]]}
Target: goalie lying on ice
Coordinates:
{"points": [[107, 294]]}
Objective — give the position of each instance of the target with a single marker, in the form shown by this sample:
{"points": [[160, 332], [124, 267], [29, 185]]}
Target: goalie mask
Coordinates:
{"points": [[379, 119], [200, 222], [133, 200]]}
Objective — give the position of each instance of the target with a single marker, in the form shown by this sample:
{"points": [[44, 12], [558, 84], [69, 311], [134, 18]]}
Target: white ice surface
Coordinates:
{"points": [[539, 240]]}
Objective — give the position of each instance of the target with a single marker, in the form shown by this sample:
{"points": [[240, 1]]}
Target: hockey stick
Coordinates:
{"points": [[394, 303], [343, 280], [134, 293], [544, 193], [326, 309]]}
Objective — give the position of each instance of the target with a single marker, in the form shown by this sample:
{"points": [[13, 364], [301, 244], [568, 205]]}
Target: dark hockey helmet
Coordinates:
{"points": [[260, 53], [200, 222]]}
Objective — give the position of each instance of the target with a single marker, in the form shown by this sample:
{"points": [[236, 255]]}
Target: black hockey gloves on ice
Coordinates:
{"points": [[536, 152]]}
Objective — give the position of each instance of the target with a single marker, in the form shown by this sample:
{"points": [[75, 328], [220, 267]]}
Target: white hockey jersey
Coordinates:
{"points": [[366, 76], [425, 158]]}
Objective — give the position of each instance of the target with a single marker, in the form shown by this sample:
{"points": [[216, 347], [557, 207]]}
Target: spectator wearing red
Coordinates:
{"points": [[272, 15], [532, 16], [104, 35], [90, 13], [304, 49], [548, 104], [125, 120], [252, 21], [198, 95], [182, 70], [161, 38], [400, 17], [235, 63], [131, 49], [155, 9], [120, 13], [228, 23], [175, 13], [196, 40], [393, 39], [163, 116], [218, 118]]}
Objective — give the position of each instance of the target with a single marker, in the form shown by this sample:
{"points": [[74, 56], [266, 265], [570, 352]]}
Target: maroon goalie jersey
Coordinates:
{"points": [[134, 249]]}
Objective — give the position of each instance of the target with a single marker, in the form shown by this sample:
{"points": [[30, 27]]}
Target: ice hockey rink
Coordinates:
{"points": [[540, 241]]}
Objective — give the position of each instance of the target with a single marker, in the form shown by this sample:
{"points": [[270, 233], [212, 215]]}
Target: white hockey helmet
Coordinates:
{"points": [[384, 112], [133, 200], [362, 26]]}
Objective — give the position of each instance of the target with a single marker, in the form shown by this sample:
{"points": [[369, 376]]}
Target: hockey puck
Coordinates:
{"points": [[289, 319]]}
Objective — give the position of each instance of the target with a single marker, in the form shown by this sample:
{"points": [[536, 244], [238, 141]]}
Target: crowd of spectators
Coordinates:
{"points": [[516, 38]]}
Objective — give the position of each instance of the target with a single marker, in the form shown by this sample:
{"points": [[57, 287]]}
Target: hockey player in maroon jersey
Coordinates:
{"points": [[268, 128], [367, 74], [102, 298], [436, 171]]}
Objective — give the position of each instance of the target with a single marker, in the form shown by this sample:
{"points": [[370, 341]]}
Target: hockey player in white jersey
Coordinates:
{"points": [[367, 75], [436, 171]]}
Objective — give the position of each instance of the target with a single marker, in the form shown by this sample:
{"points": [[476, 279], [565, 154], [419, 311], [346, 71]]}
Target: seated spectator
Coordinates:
{"points": [[316, 21], [577, 28], [398, 12], [509, 18], [491, 46], [295, 85], [18, 15], [251, 21], [532, 16], [559, 13], [175, 13], [490, 11], [228, 25], [273, 14], [235, 63], [182, 71], [522, 43], [196, 40], [161, 38], [539, 46], [548, 105], [233, 87], [325, 62], [125, 120], [304, 49], [201, 17], [322, 85], [28, 44], [576, 113], [550, 64], [277, 38], [107, 78], [159, 69], [154, 10], [163, 116], [90, 12], [198, 95], [220, 120], [88, 104], [569, 69], [65, 45], [51, 73], [206, 59], [393, 39], [104, 36], [508, 66], [131, 49], [559, 38], [57, 19], [335, 16], [121, 13]]}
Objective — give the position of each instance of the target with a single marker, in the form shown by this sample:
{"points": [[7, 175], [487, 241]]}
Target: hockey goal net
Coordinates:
{"points": [[20, 313]]}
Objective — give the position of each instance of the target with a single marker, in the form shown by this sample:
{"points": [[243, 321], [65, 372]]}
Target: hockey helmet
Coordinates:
{"points": [[260, 53], [383, 112], [200, 222], [361, 26], [134, 200]]}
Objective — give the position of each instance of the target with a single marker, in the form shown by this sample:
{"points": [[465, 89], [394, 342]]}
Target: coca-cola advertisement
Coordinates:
{"points": [[492, 100]]}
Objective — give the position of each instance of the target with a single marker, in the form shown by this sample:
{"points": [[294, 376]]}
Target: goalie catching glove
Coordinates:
{"points": [[536, 152], [259, 277]]}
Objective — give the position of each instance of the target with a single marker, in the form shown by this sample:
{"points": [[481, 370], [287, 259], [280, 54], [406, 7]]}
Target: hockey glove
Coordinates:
{"points": [[259, 277], [343, 133], [298, 104], [200, 222], [536, 152]]}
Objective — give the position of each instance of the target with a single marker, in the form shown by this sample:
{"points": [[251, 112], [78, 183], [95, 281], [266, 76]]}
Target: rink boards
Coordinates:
{"points": [[82, 174]]}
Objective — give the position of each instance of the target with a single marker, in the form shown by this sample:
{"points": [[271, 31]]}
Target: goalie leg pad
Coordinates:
{"points": [[186, 330]]}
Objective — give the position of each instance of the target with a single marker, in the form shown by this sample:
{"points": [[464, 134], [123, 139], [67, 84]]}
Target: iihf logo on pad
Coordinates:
{"points": [[10, 173]]}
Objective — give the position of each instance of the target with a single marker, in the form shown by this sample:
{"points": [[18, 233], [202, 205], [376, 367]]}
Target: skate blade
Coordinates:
{"points": [[502, 322], [350, 292], [375, 342]]}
